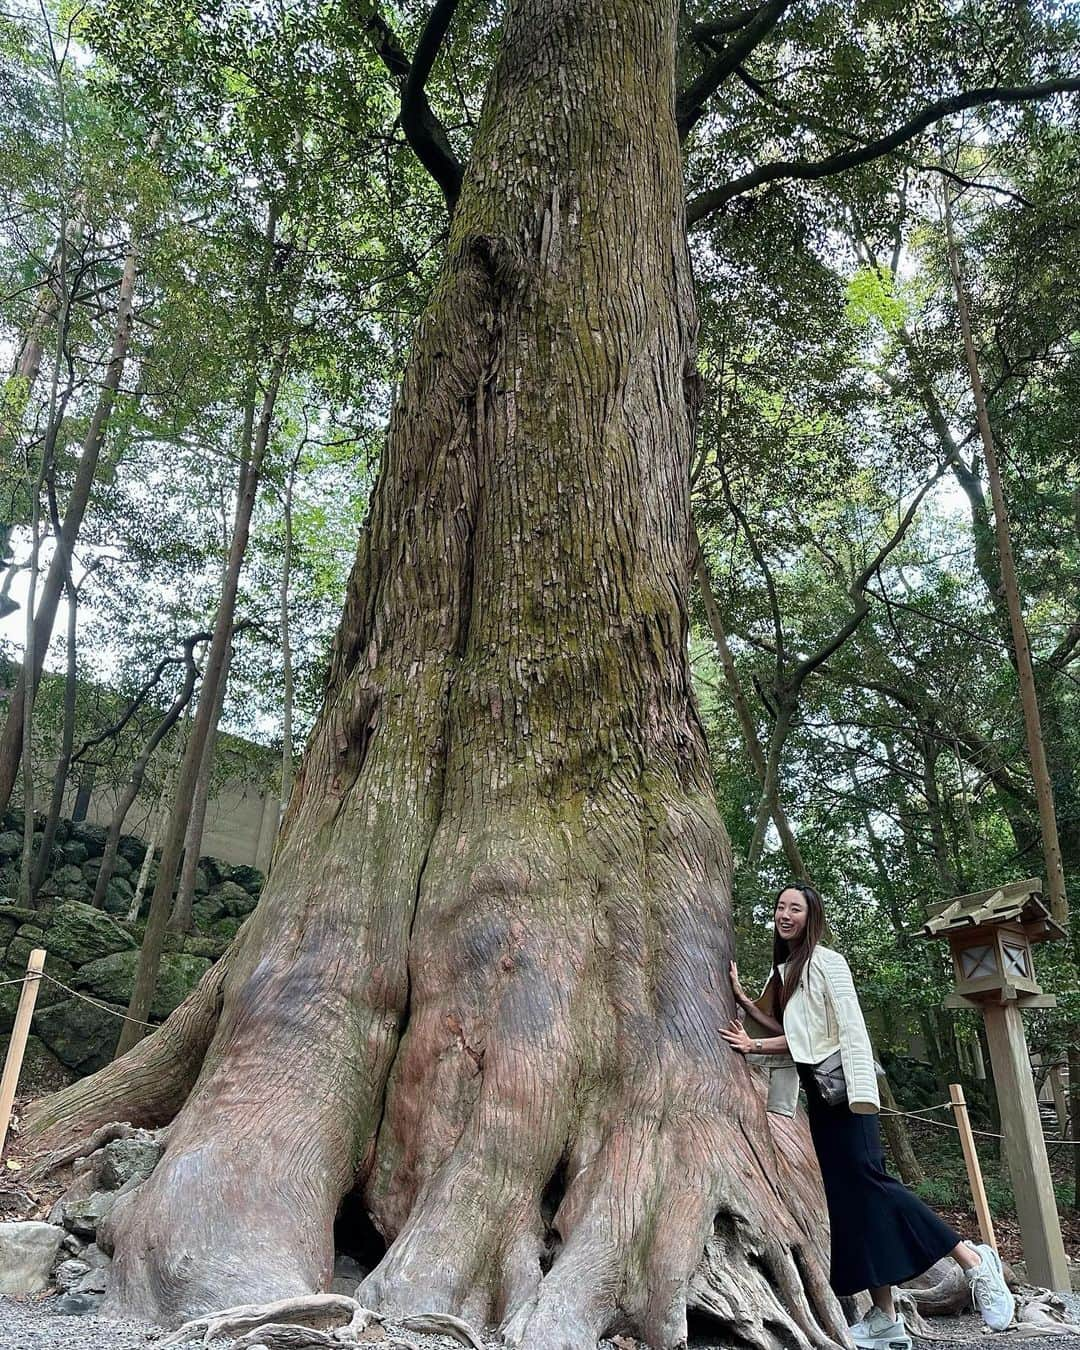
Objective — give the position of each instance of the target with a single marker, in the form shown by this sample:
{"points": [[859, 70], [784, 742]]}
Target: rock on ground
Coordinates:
{"points": [[27, 1253]]}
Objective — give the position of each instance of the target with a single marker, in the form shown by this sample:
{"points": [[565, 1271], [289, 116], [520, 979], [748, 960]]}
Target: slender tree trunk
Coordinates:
{"points": [[50, 301], [138, 773], [899, 1140], [928, 750], [1074, 1115], [17, 743], [487, 975], [22, 726], [1044, 794], [180, 920], [27, 364], [287, 694], [746, 721], [63, 762], [770, 787], [161, 815], [161, 901], [11, 747]]}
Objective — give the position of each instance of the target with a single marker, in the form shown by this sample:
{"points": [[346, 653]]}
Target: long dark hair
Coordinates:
{"points": [[796, 954]]}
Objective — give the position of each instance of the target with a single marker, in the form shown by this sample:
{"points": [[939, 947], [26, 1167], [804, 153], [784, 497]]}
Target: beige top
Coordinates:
{"points": [[821, 1017]]}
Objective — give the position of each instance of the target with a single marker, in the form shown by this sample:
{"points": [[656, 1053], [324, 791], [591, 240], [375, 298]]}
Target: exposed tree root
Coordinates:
{"points": [[439, 1324], [339, 1311], [83, 1148], [147, 1086], [755, 1288], [297, 1324], [942, 1291], [282, 1336]]}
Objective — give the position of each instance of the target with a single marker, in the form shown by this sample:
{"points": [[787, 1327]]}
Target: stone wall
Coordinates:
{"points": [[241, 819], [94, 952]]}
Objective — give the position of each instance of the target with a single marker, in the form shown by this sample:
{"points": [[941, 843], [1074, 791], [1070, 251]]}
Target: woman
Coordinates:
{"points": [[881, 1234]]}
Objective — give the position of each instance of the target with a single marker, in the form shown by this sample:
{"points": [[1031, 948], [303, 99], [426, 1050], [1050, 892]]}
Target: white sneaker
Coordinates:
{"points": [[876, 1332], [989, 1292]]}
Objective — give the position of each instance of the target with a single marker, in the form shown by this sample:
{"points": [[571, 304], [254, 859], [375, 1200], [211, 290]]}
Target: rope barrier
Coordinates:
{"points": [[920, 1115], [96, 1003], [986, 1134]]}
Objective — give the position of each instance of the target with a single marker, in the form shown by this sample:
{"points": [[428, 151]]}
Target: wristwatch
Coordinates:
{"points": [[757, 1045]]}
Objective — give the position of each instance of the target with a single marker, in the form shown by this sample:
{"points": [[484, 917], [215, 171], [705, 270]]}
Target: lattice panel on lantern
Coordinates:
{"points": [[976, 962], [1017, 960]]}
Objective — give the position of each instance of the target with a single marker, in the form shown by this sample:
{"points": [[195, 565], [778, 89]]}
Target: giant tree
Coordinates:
{"points": [[484, 984]]}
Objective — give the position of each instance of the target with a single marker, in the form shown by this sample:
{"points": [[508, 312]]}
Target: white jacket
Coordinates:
{"points": [[821, 1017]]}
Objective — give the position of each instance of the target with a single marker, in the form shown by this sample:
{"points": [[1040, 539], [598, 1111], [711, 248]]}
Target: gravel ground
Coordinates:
{"points": [[29, 1324]]}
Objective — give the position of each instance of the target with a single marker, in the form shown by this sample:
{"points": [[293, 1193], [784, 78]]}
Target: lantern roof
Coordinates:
{"points": [[1019, 902]]}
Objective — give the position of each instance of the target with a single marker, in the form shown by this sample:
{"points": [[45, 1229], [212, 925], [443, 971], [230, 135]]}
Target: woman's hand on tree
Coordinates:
{"points": [[736, 1037], [736, 984]]}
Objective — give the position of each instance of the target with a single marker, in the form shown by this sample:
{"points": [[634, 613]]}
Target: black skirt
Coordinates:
{"points": [[880, 1232]]}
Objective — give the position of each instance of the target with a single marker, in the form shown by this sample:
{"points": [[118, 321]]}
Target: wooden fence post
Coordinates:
{"points": [[971, 1161], [9, 1080]]}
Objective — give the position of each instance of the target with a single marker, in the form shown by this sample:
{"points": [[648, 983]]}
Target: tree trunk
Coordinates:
{"points": [[138, 773], [770, 786], [487, 974], [45, 616], [180, 920], [1074, 1115], [895, 1130], [153, 943], [161, 815], [929, 749], [52, 299], [1029, 702], [43, 865], [287, 682], [746, 720]]}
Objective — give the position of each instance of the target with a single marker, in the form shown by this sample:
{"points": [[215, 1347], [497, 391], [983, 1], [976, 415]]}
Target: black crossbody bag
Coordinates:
{"points": [[829, 1074]]}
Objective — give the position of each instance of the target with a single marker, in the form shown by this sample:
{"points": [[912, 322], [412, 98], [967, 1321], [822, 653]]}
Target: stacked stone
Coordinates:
{"points": [[95, 952]]}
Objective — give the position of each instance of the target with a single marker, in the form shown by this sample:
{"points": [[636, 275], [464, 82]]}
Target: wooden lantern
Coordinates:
{"points": [[990, 935]]}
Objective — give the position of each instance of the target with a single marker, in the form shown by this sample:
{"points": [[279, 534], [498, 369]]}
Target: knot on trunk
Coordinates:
{"points": [[498, 262]]}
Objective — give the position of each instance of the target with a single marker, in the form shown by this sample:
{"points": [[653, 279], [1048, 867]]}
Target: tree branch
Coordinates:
{"points": [[423, 130], [425, 133], [707, 203], [690, 104], [711, 29]]}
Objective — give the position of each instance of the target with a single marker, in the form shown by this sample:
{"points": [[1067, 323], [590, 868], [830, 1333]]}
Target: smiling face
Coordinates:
{"points": [[790, 915]]}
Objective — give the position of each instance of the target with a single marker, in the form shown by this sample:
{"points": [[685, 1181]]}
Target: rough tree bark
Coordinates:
{"points": [[486, 976]]}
